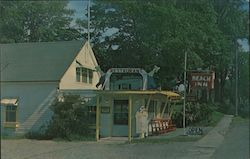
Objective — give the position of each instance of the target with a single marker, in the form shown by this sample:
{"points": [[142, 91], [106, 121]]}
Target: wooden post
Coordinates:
{"points": [[129, 119], [149, 99], [164, 108], [97, 118], [158, 109]]}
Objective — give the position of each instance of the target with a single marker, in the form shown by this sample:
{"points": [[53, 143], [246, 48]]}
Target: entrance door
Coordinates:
{"points": [[120, 118]]}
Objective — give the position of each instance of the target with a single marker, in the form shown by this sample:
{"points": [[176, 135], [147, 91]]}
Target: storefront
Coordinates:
{"points": [[116, 110]]}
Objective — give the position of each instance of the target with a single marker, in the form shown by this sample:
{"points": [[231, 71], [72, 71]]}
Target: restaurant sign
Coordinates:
{"points": [[201, 79], [125, 70]]}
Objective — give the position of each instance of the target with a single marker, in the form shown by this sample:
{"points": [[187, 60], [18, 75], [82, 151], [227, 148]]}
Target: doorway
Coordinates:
{"points": [[120, 118]]}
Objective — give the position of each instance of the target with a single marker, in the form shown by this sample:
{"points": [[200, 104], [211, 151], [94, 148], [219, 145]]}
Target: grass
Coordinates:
{"points": [[75, 139], [215, 118], [166, 141], [239, 119], [3, 137]]}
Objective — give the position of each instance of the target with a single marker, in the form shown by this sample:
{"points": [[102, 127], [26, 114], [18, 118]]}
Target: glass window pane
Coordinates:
{"points": [[126, 81], [84, 75], [11, 113], [121, 112], [78, 74], [90, 76]]}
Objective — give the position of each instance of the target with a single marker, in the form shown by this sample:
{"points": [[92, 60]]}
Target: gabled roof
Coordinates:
{"points": [[41, 61]]}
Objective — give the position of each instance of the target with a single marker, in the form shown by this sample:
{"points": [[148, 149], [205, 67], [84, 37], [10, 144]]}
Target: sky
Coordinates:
{"points": [[80, 7]]}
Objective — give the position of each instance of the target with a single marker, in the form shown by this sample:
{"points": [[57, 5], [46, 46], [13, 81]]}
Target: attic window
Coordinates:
{"points": [[84, 75]]}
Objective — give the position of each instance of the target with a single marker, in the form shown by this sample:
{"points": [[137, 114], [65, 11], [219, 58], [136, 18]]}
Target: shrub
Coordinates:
{"points": [[69, 121], [196, 114]]}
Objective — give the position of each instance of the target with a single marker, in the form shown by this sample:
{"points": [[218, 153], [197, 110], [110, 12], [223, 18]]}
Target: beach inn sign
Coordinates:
{"points": [[203, 79]]}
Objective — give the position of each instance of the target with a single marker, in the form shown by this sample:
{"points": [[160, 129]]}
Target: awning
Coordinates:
{"points": [[171, 95], [9, 101]]}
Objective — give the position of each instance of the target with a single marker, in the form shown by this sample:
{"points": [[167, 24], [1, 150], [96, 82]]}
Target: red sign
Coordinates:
{"points": [[201, 79]]}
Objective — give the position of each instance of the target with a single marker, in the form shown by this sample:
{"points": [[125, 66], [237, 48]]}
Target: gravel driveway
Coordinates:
{"points": [[203, 149], [32, 149]]}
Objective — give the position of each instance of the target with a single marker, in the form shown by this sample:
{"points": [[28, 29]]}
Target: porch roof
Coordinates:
{"points": [[171, 95]]}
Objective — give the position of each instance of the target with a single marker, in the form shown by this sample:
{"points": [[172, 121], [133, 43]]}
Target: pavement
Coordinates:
{"points": [[206, 147], [236, 142]]}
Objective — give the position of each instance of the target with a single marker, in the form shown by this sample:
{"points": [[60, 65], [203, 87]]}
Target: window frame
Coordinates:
{"points": [[6, 122], [91, 115], [10, 113], [78, 74], [120, 115], [84, 75]]}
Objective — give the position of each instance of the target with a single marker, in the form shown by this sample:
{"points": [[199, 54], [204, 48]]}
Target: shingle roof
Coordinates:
{"points": [[41, 61]]}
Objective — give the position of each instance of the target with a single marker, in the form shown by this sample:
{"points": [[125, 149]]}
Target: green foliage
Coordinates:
{"points": [[34, 21], [244, 105], [69, 121], [39, 135], [215, 118], [196, 114], [70, 118], [159, 32]]}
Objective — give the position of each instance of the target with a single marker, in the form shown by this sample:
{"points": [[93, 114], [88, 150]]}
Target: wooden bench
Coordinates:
{"points": [[161, 126]]}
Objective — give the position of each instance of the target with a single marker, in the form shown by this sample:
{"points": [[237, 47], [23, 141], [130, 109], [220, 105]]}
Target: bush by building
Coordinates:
{"points": [[69, 121]]}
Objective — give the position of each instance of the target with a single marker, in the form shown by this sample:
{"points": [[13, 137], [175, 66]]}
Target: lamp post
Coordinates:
{"points": [[184, 101], [236, 78], [89, 21]]}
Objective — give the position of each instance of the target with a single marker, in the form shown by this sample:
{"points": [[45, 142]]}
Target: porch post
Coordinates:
{"points": [[149, 99], [129, 118], [164, 108], [97, 117]]}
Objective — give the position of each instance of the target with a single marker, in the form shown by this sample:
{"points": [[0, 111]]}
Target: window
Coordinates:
{"points": [[78, 74], [126, 81], [121, 112], [92, 115], [11, 111], [84, 75], [90, 72]]}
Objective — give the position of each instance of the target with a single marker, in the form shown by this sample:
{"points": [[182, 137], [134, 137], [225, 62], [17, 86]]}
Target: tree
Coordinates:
{"points": [[158, 33], [232, 21], [244, 83], [32, 21]]}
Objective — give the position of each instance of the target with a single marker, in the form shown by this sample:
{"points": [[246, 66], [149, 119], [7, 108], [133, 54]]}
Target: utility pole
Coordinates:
{"points": [[184, 101], [89, 21], [236, 78]]}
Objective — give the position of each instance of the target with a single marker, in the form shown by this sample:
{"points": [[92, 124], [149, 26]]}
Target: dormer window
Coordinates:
{"points": [[84, 75]]}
